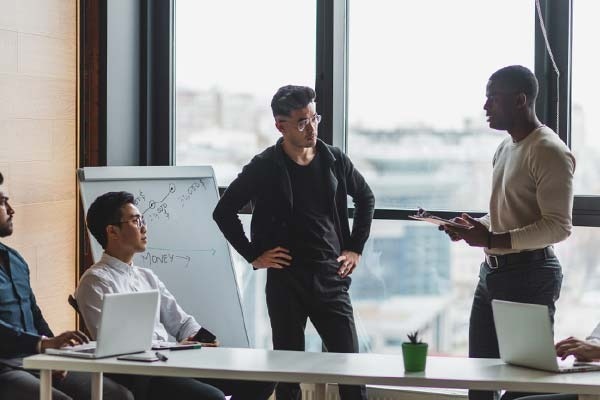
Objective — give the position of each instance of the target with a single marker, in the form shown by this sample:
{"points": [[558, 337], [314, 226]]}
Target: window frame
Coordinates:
{"points": [[157, 133]]}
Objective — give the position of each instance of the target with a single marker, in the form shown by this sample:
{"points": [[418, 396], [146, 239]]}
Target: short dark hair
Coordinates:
{"points": [[289, 98], [104, 211], [519, 79], [1, 179]]}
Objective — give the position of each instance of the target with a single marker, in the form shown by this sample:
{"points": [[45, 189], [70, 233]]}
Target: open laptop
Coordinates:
{"points": [[126, 326], [525, 338]]}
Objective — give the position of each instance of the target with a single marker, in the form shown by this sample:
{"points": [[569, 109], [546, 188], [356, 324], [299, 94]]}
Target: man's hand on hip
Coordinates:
{"points": [[349, 260], [278, 258]]}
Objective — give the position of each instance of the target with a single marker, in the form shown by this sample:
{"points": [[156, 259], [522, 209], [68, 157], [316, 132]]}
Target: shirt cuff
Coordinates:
{"points": [[38, 347]]}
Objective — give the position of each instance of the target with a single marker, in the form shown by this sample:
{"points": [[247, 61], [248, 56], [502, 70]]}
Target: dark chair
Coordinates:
{"points": [[80, 320], [73, 303]]}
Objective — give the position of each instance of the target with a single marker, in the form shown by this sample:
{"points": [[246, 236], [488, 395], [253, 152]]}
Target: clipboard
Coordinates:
{"points": [[423, 215]]}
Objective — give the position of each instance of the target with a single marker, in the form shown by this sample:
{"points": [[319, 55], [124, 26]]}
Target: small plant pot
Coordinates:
{"points": [[415, 356]]}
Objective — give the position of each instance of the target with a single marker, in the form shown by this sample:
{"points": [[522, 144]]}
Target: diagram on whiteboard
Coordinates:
{"points": [[185, 247], [158, 212], [155, 210]]}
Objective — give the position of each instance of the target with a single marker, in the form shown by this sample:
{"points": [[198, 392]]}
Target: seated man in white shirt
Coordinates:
{"points": [[583, 350], [116, 223]]}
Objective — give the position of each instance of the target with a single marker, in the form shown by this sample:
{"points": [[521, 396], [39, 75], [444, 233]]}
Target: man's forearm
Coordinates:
{"points": [[15, 341], [500, 241]]}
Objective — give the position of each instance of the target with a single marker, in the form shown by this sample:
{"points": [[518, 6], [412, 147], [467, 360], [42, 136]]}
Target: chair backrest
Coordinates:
{"points": [[73, 303], [81, 321]]}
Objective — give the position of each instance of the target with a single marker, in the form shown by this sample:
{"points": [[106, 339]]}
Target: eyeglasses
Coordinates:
{"points": [[138, 220], [3, 201], [303, 123]]}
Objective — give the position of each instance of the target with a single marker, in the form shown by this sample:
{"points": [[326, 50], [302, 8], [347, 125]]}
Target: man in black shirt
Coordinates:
{"points": [[300, 230]]}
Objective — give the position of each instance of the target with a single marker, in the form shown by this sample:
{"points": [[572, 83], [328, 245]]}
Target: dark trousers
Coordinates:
{"points": [[537, 283], [550, 397], [17, 384], [159, 387], [318, 293]]}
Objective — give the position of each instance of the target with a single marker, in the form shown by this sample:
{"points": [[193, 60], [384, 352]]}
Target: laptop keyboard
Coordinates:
{"points": [[90, 350], [82, 348]]}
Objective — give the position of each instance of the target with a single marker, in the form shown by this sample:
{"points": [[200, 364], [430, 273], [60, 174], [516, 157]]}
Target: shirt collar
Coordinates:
{"points": [[5, 249], [321, 148], [115, 263]]}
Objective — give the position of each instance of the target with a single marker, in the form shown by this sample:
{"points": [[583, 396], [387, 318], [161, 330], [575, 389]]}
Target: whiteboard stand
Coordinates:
{"points": [[185, 248]]}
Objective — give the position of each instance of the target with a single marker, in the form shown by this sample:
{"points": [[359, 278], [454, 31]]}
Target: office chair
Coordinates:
{"points": [[73, 303]]}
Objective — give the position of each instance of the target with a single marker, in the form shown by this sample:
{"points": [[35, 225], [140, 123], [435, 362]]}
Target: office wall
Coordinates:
{"points": [[38, 143]]}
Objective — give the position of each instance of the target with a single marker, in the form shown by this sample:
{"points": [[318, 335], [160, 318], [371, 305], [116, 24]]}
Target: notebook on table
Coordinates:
{"points": [[126, 327], [525, 338]]}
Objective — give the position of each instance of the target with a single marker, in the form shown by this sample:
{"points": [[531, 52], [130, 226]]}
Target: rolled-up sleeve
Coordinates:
{"points": [[177, 322]]}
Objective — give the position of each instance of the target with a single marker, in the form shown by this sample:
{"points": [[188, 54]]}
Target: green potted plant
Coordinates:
{"points": [[414, 353]]}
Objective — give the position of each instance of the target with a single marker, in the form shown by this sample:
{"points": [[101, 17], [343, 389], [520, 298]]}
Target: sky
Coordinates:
{"points": [[239, 46], [410, 62]]}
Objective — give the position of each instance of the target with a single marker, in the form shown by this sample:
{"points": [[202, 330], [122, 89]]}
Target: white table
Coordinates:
{"points": [[323, 368]]}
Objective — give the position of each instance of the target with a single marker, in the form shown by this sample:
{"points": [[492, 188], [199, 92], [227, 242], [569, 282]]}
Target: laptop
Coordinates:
{"points": [[525, 338], [126, 327]]}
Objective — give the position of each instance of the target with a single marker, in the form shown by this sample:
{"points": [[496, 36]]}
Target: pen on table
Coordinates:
{"points": [[161, 356]]}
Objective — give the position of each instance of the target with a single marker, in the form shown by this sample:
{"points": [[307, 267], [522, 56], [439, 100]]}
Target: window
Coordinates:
{"points": [[412, 277], [586, 86], [416, 129], [228, 66], [416, 125]]}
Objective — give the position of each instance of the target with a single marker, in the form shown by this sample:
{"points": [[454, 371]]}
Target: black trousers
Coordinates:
{"points": [[316, 292], [537, 283], [550, 397], [162, 387], [18, 384]]}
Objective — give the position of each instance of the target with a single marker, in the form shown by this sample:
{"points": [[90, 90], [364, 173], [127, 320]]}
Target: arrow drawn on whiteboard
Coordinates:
{"points": [[211, 250], [187, 258]]}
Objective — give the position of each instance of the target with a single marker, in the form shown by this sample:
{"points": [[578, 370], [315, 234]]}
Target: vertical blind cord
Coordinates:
{"points": [[551, 55]]}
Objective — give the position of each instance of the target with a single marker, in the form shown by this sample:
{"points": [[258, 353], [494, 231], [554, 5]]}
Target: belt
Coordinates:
{"points": [[519, 258]]}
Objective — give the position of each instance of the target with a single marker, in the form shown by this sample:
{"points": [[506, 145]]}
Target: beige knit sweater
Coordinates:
{"points": [[532, 191]]}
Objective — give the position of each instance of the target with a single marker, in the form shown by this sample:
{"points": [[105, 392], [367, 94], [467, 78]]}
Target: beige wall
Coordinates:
{"points": [[38, 98]]}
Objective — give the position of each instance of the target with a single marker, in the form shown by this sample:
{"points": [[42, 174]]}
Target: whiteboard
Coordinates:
{"points": [[185, 247]]}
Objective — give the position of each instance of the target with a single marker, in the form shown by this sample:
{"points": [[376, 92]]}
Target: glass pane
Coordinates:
{"points": [[585, 125], [417, 77], [228, 66], [412, 277], [577, 310]]}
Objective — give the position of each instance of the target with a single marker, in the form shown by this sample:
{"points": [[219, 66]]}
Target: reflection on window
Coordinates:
{"points": [[412, 277], [585, 107], [417, 76], [228, 66]]}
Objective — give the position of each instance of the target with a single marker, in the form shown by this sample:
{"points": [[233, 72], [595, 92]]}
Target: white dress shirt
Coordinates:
{"points": [[111, 275]]}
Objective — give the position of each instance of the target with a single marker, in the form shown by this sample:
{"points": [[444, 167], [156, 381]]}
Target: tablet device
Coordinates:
{"points": [[426, 216], [438, 221]]}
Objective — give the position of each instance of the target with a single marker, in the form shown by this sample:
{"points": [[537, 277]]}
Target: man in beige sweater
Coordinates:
{"points": [[530, 210]]}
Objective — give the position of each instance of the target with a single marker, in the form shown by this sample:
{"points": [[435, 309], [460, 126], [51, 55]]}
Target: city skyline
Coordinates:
{"points": [[436, 103]]}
